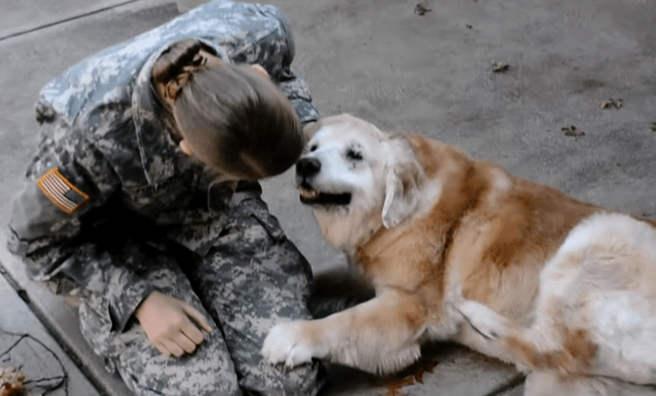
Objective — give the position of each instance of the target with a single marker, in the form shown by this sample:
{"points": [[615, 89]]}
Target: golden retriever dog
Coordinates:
{"points": [[458, 249]]}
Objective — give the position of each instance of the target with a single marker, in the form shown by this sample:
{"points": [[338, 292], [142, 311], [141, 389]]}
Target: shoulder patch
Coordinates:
{"points": [[61, 192]]}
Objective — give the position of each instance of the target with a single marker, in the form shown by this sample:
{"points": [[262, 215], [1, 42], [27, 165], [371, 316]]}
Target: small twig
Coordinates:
{"points": [[63, 379], [14, 344]]}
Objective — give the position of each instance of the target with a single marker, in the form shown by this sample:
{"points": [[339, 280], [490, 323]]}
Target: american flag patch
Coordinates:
{"points": [[61, 192]]}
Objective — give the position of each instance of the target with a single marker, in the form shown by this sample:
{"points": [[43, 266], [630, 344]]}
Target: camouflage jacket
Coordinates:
{"points": [[107, 182]]}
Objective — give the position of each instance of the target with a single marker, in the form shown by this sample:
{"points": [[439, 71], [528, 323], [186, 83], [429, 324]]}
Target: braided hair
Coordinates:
{"points": [[236, 121]]}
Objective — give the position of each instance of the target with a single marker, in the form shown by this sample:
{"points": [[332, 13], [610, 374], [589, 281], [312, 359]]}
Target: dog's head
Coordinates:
{"points": [[351, 167]]}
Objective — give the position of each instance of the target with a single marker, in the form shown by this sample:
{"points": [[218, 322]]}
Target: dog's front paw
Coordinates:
{"points": [[286, 343], [482, 319]]}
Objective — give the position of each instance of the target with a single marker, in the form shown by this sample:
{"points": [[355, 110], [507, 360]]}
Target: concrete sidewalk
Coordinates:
{"points": [[384, 61], [26, 344]]}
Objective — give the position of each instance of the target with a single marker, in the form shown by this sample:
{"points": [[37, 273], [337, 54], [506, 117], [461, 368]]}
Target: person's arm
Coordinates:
{"points": [[275, 51], [67, 182], [57, 228], [295, 87]]}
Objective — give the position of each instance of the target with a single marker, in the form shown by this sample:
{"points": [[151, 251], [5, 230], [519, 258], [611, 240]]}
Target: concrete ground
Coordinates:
{"points": [[383, 61]]}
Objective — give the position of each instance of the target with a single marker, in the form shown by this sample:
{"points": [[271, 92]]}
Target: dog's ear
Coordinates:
{"points": [[402, 185], [310, 129]]}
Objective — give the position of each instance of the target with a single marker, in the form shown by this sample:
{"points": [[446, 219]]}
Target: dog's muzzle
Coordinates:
{"points": [[307, 168]]}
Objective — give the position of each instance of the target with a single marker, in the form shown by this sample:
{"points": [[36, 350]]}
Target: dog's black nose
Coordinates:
{"points": [[307, 167]]}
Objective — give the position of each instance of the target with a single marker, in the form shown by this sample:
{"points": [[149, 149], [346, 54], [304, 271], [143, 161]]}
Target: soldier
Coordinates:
{"points": [[143, 193]]}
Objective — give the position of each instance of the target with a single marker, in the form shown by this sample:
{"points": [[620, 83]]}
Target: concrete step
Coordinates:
{"points": [[62, 323], [22, 16], [27, 345]]}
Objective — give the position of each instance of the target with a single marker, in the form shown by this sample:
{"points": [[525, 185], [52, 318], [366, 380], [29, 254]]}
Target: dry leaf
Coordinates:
{"points": [[617, 103], [11, 382], [572, 131], [653, 126], [500, 67], [421, 9], [428, 368], [394, 383]]}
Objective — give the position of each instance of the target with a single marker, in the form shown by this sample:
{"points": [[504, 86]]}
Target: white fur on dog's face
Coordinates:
{"points": [[357, 179], [352, 155]]}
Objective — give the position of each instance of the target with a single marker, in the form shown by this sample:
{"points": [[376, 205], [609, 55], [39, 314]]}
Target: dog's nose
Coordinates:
{"points": [[307, 167]]}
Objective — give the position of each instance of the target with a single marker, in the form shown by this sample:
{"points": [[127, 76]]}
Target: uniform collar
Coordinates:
{"points": [[156, 147]]}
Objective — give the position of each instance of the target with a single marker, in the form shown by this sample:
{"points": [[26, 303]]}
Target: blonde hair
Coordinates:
{"points": [[235, 120]]}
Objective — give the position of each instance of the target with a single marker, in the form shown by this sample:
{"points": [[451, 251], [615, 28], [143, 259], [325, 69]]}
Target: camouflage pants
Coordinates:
{"points": [[251, 278]]}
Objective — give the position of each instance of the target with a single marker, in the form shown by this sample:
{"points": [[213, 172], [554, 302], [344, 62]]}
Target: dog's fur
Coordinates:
{"points": [[458, 249]]}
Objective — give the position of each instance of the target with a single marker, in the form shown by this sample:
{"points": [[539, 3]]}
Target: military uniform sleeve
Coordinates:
{"points": [[67, 182], [295, 87], [275, 52]]}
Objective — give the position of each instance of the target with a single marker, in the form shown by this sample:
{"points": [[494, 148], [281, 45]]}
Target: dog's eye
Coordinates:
{"points": [[354, 155], [313, 147]]}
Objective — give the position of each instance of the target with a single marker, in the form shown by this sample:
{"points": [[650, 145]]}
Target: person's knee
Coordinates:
{"points": [[305, 380], [209, 371], [206, 378]]}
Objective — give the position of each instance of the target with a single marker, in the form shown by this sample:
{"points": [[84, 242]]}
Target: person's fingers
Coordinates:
{"points": [[192, 332], [197, 317], [186, 148], [185, 343], [175, 349], [162, 349], [260, 70]]}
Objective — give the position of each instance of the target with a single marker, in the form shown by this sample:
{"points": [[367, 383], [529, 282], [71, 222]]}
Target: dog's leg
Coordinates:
{"points": [[539, 347], [558, 365], [489, 324], [378, 336]]}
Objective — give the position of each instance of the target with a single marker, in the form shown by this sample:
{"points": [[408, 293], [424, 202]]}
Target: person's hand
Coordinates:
{"points": [[174, 327], [260, 70]]}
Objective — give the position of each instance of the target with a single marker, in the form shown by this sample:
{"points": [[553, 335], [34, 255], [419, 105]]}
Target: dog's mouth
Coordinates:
{"points": [[310, 196]]}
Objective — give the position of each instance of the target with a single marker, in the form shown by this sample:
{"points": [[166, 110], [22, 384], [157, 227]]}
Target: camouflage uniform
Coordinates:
{"points": [[153, 220]]}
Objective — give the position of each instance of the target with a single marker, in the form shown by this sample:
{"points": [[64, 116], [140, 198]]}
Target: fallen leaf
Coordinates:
{"points": [[653, 126], [500, 67], [11, 382], [617, 103], [419, 375], [572, 131], [421, 9], [394, 384]]}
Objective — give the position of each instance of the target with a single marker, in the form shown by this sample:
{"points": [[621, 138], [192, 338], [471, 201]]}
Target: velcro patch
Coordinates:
{"points": [[61, 192]]}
